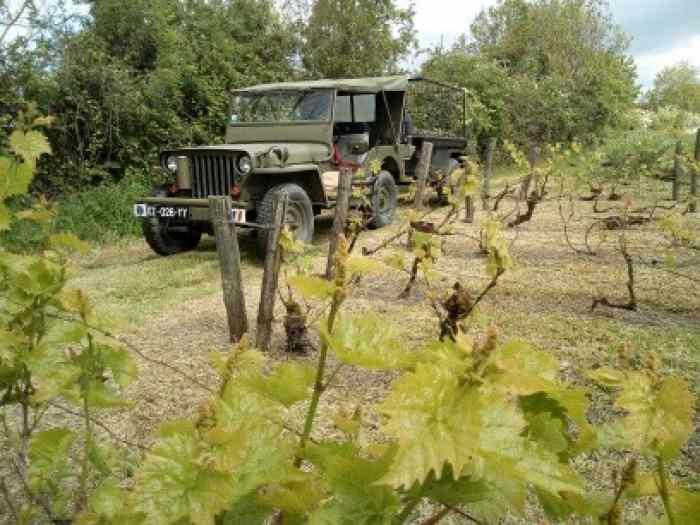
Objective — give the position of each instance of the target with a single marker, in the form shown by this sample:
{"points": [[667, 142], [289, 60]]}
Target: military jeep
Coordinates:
{"points": [[294, 137]]}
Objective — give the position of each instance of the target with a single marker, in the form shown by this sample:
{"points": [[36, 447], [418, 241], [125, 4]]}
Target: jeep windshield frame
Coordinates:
{"points": [[281, 107]]}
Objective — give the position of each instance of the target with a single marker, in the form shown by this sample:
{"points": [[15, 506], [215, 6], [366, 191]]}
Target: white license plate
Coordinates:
{"points": [[163, 212], [238, 215]]}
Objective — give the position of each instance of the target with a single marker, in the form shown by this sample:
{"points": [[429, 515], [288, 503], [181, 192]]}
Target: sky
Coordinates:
{"points": [[663, 32]]}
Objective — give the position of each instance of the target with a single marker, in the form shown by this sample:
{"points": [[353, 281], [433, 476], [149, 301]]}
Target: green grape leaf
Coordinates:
{"points": [[421, 238], [289, 383], [368, 341], [544, 470], [48, 459], [40, 277], [576, 403], [248, 510], [434, 420], [311, 287], [63, 333], [396, 261], [67, 242], [266, 458], [15, 177], [298, 495], [119, 362], [362, 265], [12, 346], [109, 504], [548, 431], [674, 414], [355, 497], [103, 457], [29, 145], [107, 500], [560, 506], [607, 376], [659, 416], [499, 258], [486, 497], [523, 370], [52, 373], [175, 482], [98, 393]]}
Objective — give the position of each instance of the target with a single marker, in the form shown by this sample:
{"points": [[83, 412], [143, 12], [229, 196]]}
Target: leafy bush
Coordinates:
{"points": [[105, 212], [99, 214]]}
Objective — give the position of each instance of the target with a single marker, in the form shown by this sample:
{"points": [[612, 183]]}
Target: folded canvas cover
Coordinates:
{"points": [[353, 85]]}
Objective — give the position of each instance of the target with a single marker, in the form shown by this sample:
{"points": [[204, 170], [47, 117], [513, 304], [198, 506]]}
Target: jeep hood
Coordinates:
{"points": [[267, 154]]}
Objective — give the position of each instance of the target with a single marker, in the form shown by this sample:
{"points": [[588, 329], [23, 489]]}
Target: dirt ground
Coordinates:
{"points": [[171, 308]]}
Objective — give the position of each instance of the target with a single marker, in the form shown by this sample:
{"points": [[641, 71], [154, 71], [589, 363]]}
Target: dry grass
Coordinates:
{"points": [[171, 308]]}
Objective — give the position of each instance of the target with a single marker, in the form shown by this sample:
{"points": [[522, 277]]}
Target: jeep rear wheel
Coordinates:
{"points": [[384, 200], [165, 238], [299, 218]]}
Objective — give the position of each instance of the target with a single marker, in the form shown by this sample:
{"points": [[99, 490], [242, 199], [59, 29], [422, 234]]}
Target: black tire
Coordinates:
{"points": [[165, 241], [300, 214], [442, 199], [385, 197]]}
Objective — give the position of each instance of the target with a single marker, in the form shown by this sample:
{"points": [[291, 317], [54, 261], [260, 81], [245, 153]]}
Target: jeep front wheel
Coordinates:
{"points": [[165, 238], [299, 218]]}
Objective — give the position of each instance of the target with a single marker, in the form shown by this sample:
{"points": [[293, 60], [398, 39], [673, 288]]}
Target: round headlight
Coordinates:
{"points": [[245, 165], [171, 163]]}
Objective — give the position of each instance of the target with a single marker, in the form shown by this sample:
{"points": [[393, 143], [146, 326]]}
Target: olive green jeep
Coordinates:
{"points": [[294, 137]]}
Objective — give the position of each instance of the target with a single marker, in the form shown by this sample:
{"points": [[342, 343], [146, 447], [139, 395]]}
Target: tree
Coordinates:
{"points": [[353, 38], [139, 76], [569, 52], [678, 86], [487, 82]]}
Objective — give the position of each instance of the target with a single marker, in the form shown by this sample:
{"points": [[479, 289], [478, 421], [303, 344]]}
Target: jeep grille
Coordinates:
{"points": [[213, 173]]}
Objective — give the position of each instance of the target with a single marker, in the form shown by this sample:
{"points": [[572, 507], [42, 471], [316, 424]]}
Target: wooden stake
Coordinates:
{"points": [[273, 259], [422, 170], [694, 177], [675, 190], [488, 172], [230, 262], [341, 216], [469, 209]]}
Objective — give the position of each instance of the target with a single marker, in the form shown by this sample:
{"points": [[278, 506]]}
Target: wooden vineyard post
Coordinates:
{"points": [[488, 171], [341, 216], [422, 170], [694, 177], [468, 199], [230, 262], [677, 171], [273, 259]]}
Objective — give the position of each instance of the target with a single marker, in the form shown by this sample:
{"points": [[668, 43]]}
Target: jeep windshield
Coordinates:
{"points": [[281, 107]]}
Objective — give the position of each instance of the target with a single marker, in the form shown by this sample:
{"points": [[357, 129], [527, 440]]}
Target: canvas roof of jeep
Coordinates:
{"points": [[356, 85]]}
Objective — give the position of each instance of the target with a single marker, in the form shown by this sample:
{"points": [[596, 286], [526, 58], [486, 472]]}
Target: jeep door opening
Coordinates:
{"points": [[294, 137]]}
